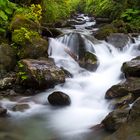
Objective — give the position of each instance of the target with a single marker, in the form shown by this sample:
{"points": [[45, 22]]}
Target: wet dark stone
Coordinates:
{"points": [[59, 99]]}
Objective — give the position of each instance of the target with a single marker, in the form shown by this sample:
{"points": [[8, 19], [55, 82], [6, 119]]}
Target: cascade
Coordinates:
{"points": [[85, 88]]}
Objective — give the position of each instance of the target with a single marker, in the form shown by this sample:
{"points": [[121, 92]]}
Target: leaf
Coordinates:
{"points": [[3, 15], [8, 11], [2, 30]]}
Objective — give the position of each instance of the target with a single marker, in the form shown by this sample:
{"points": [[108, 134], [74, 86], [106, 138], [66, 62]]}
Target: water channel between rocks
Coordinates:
{"points": [[86, 90]]}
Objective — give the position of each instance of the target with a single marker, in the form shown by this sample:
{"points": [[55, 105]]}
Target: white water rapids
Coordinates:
{"points": [[86, 90]]}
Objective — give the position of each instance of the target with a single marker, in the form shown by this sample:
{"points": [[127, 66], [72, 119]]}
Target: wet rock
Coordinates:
{"points": [[119, 40], [21, 107], [102, 20], [135, 111], [131, 68], [105, 31], [19, 20], [115, 119], [59, 99], [51, 32], [123, 102], [89, 61], [3, 111], [76, 22], [131, 85], [32, 45], [7, 82], [40, 73], [7, 59]]}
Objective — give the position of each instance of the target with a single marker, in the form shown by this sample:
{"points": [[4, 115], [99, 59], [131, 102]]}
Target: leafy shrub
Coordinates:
{"points": [[6, 10], [34, 12]]}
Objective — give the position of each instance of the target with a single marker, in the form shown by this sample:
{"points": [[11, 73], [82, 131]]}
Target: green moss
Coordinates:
{"points": [[23, 35], [105, 31]]}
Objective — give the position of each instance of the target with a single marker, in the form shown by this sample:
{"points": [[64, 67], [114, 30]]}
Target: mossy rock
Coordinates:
{"points": [[89, 61], [31, 43], [131, 85], [131, 68], [7, 58], [39, 74], [19, 20], [105, 31]]}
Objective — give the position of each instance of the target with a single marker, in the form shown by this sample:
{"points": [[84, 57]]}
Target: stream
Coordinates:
{"points": [[86, 89]]}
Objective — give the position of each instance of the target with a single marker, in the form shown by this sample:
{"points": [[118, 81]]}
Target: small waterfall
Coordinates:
{"points": [[86, 89]]}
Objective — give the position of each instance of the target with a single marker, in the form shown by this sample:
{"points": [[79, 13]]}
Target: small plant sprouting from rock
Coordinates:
{"points": [[21, 74]]}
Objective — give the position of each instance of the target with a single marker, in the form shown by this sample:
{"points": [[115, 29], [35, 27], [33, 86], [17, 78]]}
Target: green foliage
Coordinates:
{"points": [[6, 10], [22, 35], [34, 12], [56, 10], [21, 74], [130, 14]]}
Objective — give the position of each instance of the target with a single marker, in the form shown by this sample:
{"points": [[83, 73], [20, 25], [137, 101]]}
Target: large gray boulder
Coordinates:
{"points": [[119, 40], [39, 73]]}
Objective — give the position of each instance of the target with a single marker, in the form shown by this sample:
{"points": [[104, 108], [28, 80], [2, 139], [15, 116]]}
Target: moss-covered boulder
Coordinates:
{"points": [[30, 42], [58, 98], [135, 111], [39, 74], [7, 58], [119, 40], [131, 85], [131, 68], [20, 20], [115, 119], [122, 102], [105, 31], [89, 61], [129, 130]]}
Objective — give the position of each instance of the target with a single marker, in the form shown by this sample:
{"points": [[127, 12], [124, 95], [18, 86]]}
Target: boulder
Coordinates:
{"points": [[119, 40], [59, 99], [7, 81], [89, 61], [115, 119], [135, 111], [131, 68], [122, 102], [130, 129], [131, 85], [20, 107], [7, 59], [39, 73], [3, 111], [32, 45], [19, 20], [105, 31]]}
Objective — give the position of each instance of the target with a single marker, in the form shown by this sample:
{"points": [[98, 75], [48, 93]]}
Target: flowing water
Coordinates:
{"points": [[86, 90]]}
